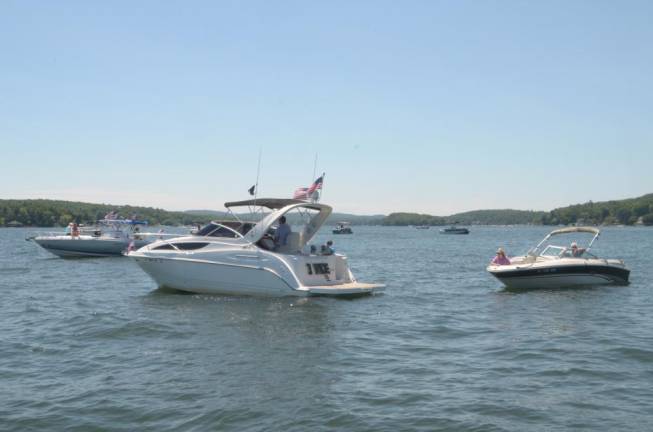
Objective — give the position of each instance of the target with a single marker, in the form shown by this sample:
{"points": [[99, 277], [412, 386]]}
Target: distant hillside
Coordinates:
{"points": [[477, 217], [403, 219], [498, 217], [627, 212], [48, 213]]}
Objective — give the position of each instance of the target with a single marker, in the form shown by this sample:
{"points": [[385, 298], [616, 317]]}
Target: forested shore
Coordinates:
{"points": [[50, 213]]}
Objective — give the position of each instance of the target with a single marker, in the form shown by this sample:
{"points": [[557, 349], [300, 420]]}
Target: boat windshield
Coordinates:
{"points": [[553, 251]]}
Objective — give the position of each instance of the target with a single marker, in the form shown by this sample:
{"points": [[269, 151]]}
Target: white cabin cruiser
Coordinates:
{"points": [[550, 266], [111, 237], [243, 259]]}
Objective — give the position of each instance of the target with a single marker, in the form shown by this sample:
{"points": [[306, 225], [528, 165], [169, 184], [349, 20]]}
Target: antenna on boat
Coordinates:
{"points": [[314, 168], [258, 173]]}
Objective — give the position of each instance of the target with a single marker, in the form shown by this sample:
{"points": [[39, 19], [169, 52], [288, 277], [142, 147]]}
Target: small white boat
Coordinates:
{"points": [[550, 266], [111, 237], [243, 259]]}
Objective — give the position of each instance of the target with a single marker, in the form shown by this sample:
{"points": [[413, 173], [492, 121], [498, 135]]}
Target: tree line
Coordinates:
{"points": [[50, 213], [627, 212]]}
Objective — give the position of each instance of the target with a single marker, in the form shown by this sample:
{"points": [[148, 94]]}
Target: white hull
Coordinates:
{"points": [[212, 278], [556, 281]]}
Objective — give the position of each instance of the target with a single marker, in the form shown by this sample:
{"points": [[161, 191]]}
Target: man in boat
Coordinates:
{"points": [[576, 252], [281, 234]]}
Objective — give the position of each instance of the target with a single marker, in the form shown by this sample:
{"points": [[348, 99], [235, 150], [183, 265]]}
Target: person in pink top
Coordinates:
{"points": [[500, 258]]}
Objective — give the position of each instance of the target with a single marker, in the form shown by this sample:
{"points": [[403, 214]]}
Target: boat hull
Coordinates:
{"points": [[223, 278], [560, 276], [85, 247], [207, 277]]}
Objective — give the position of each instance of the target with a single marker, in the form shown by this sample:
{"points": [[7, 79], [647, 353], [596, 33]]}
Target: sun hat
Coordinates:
{"points": [[500, 250]]}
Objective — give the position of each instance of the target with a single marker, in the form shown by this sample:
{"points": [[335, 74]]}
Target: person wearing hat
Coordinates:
{"points": [[576, 252], [500, 258]]}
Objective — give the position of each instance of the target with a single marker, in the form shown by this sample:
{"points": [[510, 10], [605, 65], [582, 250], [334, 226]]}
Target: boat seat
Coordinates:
{"points": [[292, 243]]}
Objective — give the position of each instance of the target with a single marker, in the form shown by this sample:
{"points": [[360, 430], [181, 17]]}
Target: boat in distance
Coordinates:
{"points": [[454, 230], [111, 237], [243, 259], [342, 228], [551, 266]]}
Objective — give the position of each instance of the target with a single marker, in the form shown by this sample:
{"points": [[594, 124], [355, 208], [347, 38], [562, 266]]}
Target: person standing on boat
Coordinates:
{"points": [[500, 258], [281, 234]]}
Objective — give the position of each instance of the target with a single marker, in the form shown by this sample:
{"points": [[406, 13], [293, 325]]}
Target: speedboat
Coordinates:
{"points": [[110, 237], [550, 266], [343, 228], [454, 230], [243, 259]]}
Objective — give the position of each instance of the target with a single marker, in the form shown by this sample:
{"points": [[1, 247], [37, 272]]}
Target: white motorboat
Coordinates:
{"points": [[110, 237], [550, 266], [242, 259]]}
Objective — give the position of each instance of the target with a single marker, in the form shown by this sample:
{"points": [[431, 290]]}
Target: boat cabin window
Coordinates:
{"points": [[190, 246], [181, 246]]}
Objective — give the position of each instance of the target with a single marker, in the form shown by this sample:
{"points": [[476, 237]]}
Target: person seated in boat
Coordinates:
{"points": [[500, 258], [137, 232], [75, 230], [576, 252], [69, 229], [281, 233], [327, 249]]}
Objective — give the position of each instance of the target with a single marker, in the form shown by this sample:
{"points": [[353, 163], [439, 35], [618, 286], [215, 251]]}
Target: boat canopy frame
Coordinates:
{"points": [[568, 230], [311, 227]]}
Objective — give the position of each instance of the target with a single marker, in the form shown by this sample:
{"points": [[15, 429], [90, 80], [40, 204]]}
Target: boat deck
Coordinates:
{"points": [[346, 288]]}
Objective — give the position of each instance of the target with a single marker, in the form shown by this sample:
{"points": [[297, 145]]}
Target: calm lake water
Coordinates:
{"points": [[91, 344]]}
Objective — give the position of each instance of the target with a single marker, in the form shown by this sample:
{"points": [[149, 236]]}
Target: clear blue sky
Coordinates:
{"points": [[429, 106]]}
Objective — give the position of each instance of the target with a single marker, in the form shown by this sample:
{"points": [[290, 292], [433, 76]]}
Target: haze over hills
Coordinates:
{"points": [[47, 213]]}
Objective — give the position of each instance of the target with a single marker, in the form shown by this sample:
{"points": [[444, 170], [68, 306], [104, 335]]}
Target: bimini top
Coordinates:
{"points": [[309, 229], [590, 230], [271, 203]]}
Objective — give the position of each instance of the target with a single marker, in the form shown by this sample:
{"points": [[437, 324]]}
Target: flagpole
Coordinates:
{"points": [[322, 192]]}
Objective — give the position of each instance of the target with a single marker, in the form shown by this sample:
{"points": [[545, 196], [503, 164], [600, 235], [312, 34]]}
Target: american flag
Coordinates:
{"points": [[300, 193], [306, 193]]}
